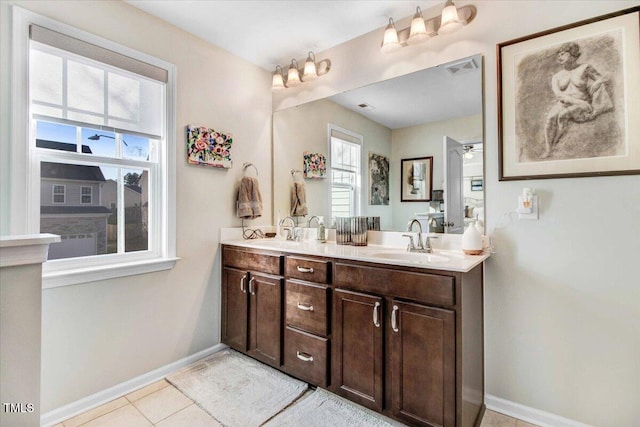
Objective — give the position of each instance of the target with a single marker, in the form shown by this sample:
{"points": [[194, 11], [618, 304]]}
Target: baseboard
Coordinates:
{"points": [[528, 414], [79, 406]]}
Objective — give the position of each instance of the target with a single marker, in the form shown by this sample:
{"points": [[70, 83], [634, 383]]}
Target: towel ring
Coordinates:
{"points": [[247, 165], [296, 171]]}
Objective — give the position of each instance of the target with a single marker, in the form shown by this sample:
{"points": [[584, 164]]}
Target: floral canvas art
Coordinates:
{"points": [[315, 165], [208, 147]]}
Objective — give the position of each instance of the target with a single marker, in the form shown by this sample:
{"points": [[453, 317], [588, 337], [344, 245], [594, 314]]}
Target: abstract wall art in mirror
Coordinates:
{"points": [[416, 179], [568, 97], [208, 147], [378, 179]]}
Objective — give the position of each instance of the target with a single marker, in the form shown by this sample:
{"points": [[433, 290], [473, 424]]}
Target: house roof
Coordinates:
{"points": [[65, 170], [74, 210]]}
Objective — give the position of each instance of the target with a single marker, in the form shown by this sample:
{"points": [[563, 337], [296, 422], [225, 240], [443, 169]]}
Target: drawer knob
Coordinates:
{"points": [[305, 307], [304, 269], [304, 356]]}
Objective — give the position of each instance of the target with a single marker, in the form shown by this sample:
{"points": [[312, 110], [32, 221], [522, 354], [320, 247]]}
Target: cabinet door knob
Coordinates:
{"points": [[304, 356], [252, 289], [394, 319], [305, 307], [304, 269], [376, 322], [242, 288]]}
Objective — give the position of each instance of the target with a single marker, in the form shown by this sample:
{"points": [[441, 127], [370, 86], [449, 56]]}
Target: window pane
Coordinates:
{"points": [[85, 89], [124, 97], [136, 199], [45, 77], [55, 136], [100, 143], [135, 147], [108, 196], [83, 227]]}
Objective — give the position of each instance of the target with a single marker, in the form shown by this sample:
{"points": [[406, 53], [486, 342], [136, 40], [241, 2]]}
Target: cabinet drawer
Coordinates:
{"points": [[307, 269], [306, 356], [252, 261], [428, 288], [306, 307]]}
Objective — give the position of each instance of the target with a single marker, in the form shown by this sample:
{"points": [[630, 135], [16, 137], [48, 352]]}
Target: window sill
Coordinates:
{"points": [[56, 279]]}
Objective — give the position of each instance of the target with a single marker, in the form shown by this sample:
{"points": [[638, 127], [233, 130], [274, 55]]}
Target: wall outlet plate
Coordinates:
{"points": [[528, 213]]}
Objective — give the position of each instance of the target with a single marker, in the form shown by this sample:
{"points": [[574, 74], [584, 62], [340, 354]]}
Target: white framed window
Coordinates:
{"points": [[345, 152], [58, 193], [86, 195], [98, 118]]}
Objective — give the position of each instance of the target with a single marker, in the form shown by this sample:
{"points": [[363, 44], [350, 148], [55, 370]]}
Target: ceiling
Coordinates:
{"points": [[269, 33]]}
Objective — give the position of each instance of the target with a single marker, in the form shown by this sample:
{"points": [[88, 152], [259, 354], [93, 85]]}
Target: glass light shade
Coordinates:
{"points": [[293, 75], [449, 21], [390, 41], [278, 81], [310, 70], [418, 31]]}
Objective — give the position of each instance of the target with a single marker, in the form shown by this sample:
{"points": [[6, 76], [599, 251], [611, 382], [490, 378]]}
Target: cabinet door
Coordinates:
{"points": [[234, 308], [265, 318], [358, 347], [423, 364]]}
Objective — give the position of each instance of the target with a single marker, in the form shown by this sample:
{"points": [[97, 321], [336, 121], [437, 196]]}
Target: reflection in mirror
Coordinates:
{"points": [[366, 132]]}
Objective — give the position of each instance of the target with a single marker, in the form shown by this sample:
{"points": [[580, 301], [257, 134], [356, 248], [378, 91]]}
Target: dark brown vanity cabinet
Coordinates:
{"points": [[252, 304], [402, 341]]}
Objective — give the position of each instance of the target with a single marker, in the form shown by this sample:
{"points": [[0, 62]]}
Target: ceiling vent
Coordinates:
{"points": [[366, 106], [461, 67]]}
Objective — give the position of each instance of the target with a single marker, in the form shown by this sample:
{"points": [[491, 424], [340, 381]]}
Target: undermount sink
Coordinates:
{"points": [[416, 257]]}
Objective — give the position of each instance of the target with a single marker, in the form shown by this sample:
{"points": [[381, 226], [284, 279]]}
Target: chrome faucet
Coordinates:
{"points": [[311, 219], [291, 231], [420, 247]]}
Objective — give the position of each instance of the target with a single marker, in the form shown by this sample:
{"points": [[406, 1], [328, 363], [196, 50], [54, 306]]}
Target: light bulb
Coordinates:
{"points": [[418, 31], [277, 82], [293, 75], [390, 41], [310, 69], [449, 21]]}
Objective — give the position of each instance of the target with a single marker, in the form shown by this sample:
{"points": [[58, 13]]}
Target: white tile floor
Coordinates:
{"points": [[160, 404]]}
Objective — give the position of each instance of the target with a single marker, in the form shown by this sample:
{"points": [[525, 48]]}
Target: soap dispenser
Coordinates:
{"points": [[321, 235]]}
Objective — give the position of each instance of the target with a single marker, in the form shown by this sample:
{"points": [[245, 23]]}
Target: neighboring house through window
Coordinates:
{"points": [[102, 120]]}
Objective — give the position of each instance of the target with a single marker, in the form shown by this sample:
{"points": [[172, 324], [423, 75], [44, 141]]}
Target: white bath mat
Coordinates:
{"points": [[323, 409], [237, 390]]}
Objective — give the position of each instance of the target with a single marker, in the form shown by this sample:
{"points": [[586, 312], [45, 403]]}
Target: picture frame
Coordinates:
{"points": [[567, 98], [208, 147], [476, 184], [314, 165], [416, 179], [378, 179]]}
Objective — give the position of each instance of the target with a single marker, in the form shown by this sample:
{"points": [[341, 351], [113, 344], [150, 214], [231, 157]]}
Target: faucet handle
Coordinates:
{"points": [[411, 246]]}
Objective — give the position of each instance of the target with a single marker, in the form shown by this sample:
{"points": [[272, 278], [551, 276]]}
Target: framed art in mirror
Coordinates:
{"points": [[416, 179], [567, 98], [378, 179]]}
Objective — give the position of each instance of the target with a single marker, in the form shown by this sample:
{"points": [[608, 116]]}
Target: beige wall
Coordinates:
{"points": [[304, 128], [562, 301], [421, 141], [100, 334]]}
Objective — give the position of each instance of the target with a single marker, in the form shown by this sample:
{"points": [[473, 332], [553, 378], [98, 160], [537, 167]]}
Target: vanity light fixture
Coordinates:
{"points": [[311, 71], [421, 30], [293, 75]]}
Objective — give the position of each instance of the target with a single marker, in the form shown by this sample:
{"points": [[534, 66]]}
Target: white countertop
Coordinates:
{"points": [[440, 259]]}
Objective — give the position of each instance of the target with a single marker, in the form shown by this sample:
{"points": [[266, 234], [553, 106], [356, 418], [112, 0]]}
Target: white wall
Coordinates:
{"points": [[100, 334], [562, 299], [420, 141]]}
